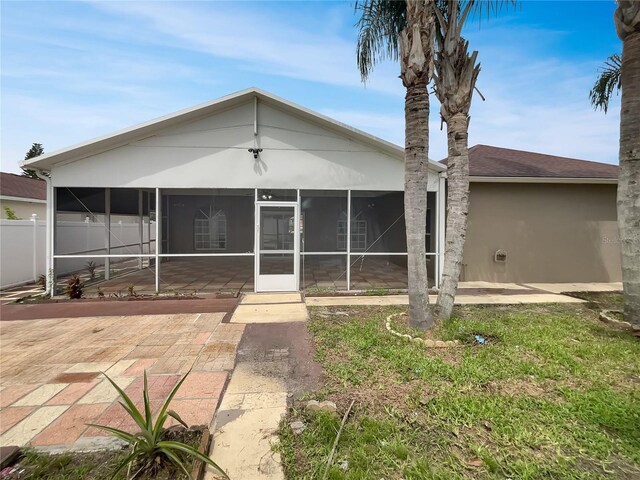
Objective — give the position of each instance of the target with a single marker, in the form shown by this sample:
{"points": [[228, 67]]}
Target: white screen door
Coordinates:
{"points": [[277, 262]]}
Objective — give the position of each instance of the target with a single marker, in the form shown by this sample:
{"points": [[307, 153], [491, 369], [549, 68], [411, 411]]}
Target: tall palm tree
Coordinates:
{"points": [[455, 80], [405, 30], [607, 82], [627, 22]]}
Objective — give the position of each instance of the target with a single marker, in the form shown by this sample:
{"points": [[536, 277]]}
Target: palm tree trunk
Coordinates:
{"points": [[415, 201], [416, 70], [628, 26], [457, 211]]}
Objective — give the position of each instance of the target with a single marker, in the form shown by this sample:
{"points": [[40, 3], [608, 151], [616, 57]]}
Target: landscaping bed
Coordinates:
{"points": [[553, 393], [99, 465]]}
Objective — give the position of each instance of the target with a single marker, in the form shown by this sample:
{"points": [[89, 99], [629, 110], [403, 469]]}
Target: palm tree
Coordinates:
{"points": [[627, 22], [455, 80], [404, 30], [607, 82]]}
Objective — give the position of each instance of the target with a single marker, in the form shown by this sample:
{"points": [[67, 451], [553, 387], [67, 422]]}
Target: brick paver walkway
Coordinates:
{"points": [[51, 385]]}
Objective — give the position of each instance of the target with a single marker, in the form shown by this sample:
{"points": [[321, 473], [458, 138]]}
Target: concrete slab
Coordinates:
{"points": [[247, 379], [364, 300], [480, 299], [270, 313], [245, 425], [481, 284], [577, 287], [262, 298], [243, 446], [514, 299]]}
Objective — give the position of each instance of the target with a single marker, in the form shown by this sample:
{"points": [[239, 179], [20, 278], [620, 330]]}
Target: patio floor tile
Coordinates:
{"points": [[105, 392], [195, 412], [139, 366], [72, 393], [202, 385], [68, 427], [25, 430], [40, 395], [120, 367], [13, 415], [159, 387], [14, 392], [90, 367]]}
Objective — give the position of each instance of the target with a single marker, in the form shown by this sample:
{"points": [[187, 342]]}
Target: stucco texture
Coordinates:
{"points": [[550, 232]]}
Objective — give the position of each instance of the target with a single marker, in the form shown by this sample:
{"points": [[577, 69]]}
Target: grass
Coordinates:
{"points": [[555, 394]]}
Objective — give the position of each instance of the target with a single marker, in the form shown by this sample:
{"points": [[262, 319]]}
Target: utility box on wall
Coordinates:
{"points": [[500, 256]]}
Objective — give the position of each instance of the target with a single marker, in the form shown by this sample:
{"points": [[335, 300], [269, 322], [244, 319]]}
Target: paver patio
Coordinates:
{"points": [[51, 385]]}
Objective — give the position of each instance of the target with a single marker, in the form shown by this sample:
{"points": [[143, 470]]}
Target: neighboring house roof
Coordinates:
{"points": [[20, 187], [143, 130], [504, 163]]}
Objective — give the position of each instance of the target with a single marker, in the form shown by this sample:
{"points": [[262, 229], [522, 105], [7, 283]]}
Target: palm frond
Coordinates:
{"points": [[191, 451], [162, 415], [607, 82], [379, 27]]}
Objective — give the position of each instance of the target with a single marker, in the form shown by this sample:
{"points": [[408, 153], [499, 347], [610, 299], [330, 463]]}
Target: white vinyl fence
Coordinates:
{"points": [[23, 247]]}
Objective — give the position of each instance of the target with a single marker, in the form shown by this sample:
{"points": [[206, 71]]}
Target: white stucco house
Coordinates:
{"points": [[247, 192]]}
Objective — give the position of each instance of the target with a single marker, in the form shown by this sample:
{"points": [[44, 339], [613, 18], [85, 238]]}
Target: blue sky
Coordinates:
{"points": [[71, 71]]}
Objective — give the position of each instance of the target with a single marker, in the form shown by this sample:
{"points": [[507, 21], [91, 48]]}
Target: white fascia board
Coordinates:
{"points": [[143, 130], [22, 199], [607, 181]]}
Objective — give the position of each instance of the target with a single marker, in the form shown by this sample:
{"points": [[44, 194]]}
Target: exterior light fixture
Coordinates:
{"points": [[255, 151]]}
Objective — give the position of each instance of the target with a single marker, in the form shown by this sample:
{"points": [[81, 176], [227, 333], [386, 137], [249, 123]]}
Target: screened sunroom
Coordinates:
{"points": [[246, 193]]}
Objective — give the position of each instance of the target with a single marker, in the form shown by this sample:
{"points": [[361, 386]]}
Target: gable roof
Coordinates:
{"points": [[12, 185], [143, 130], [496, 162]]}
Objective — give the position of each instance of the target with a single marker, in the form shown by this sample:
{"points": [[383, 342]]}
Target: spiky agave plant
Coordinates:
{"points": [[148, 446]]}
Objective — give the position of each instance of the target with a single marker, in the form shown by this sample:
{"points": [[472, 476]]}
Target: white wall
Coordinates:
{"points": [[19, 252], [212, 153]]}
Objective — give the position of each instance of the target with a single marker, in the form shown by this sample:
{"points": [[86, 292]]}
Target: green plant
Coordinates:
{"points": [[42, 281], [148, 448], [131, 290], [91, 268], [11, 215], [74, 287]]}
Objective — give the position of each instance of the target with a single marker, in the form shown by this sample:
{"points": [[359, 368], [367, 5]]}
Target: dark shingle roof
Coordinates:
{"points": [[487, 161], [12, 185]]}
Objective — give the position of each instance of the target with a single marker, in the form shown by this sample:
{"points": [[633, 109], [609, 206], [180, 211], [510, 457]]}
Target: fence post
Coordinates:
{"points": [[34, 220]]}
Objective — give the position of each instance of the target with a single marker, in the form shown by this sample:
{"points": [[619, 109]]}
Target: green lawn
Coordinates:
{"points": [[555, 394]]}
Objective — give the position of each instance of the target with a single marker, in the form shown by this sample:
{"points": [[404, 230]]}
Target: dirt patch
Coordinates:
{"points": [[283, 350], [513, 388], [82, 377]]}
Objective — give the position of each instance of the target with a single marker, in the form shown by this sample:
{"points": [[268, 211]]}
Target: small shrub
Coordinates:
{"points": [[131, 290], [148, 448], [91, 268], [74, 287], [11, 215]]}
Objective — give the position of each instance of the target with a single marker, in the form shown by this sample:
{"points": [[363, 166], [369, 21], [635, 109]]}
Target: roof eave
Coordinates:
{"points": [[591, 180]]}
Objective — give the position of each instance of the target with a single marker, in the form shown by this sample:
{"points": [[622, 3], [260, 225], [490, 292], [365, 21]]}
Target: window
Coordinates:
{"points": [[358, 232], [210, 229]]}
